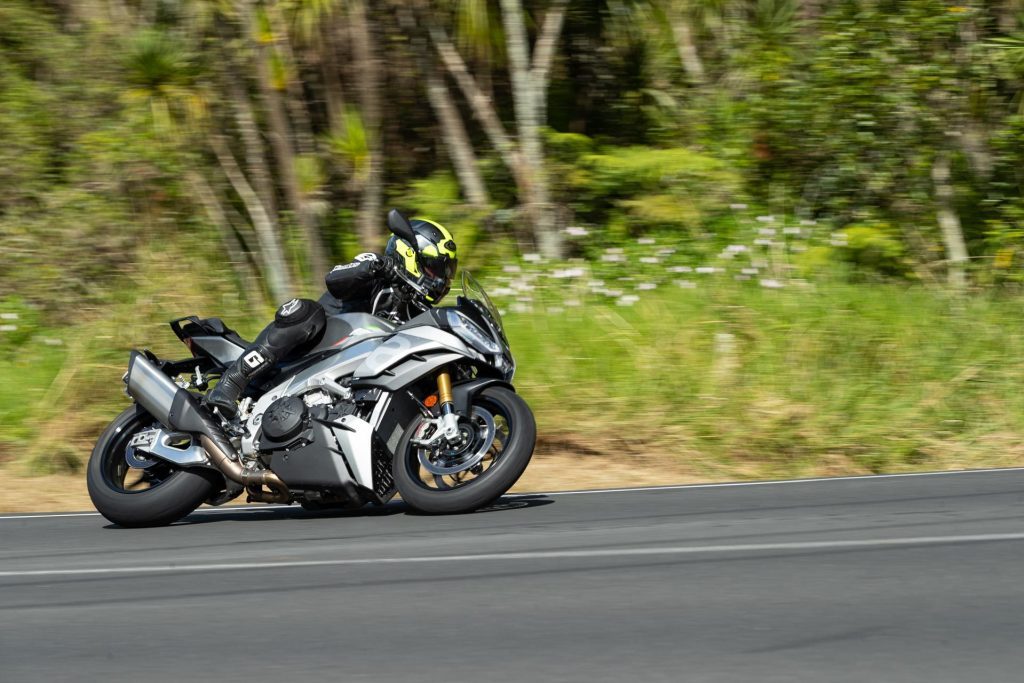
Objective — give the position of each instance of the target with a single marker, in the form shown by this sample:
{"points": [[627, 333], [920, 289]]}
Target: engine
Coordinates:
{"points": [[296, 441]]}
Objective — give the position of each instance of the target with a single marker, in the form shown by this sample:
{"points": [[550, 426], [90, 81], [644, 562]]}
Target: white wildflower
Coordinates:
{"points": [[736, 248], [568, 273], [555, 310], [705, 270], [765, 219], [51, 341], [686, 284], [532, 258], [520, 308], [650, 259], [738, 207], [680, 269], [573, 303], [613, 258], [576, 231], [646, 240], [646, 286], [512, 269], [791, 231], [628, 300], [750, 271], [8, 316], [767, 232], [763, 242], [808, 223], [771, 284], [613, 292], [8, 328]]}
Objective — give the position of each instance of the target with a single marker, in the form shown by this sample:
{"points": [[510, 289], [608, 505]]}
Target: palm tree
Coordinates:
{"points": [[529, 75], [165, 81]]}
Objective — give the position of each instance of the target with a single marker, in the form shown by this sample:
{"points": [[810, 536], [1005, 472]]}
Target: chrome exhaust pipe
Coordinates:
{"points": [[179, 410]]}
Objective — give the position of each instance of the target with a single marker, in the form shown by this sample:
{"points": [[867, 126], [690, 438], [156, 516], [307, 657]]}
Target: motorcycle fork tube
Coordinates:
{"points": [[444, 393]]}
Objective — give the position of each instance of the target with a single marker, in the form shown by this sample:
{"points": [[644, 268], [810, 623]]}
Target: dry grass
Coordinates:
{"points": [[561, 463]]}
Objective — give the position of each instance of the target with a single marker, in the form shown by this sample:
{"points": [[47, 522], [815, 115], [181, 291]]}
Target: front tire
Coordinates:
{"points": [[172, 493], [506, 465]]}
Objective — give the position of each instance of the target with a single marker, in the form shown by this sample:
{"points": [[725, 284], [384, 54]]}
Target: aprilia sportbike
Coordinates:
{"points": [[424, 408]]}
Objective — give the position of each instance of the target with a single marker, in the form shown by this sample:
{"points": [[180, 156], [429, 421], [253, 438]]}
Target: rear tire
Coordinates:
{"points": [[175, 496], [488, 486]]}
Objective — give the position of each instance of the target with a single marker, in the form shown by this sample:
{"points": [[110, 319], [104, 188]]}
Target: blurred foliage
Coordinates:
{"points": [[148, 148]]}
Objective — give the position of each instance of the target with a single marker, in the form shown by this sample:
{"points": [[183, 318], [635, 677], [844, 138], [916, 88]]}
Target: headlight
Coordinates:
{"points": [[471, 333]]}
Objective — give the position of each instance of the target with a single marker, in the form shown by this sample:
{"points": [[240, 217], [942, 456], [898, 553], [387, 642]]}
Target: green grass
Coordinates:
{"points": [[769, 382], [738, 380]]}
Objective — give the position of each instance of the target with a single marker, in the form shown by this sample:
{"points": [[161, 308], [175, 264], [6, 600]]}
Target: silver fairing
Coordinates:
{"points": [[405, 356], [417, 341]]}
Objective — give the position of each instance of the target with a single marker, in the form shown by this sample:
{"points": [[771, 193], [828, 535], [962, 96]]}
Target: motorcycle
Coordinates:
{"points": [[422, 406]]}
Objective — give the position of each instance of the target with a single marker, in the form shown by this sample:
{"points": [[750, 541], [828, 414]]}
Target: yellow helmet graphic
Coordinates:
{"points": [[431, 262]]}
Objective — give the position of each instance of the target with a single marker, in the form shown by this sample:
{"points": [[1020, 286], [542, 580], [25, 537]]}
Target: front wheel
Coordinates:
{"points": [[499, 437], [133, 490]]}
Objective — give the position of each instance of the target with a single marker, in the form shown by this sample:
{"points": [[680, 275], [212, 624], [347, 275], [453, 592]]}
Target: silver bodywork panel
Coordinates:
{"points": [[386, 362], [224, 351], [416, 341], [157, 442]]}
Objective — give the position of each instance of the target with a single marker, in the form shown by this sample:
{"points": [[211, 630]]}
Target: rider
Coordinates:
{"points": [[369, 284]]}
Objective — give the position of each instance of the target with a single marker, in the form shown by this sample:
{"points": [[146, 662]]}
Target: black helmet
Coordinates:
{"points": [[431, 261]]}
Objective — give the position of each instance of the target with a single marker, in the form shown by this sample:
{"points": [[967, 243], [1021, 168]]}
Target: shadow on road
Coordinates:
{"points": [[212, 515]]}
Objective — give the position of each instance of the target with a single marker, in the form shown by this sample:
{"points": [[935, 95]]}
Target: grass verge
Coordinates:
{"points": [[707, 384]]}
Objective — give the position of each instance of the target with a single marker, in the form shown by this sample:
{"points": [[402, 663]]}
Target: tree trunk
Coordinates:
{"points": [[456, 141], [280, 139], [480, 103], [334, 95], [682, 31], [949, 223], [295, 101], [252, 293], [536, 196], [275, 270], [544, 55], [368, 67], [255, 154]]}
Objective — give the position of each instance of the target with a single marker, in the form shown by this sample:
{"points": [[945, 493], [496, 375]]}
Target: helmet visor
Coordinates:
{"points": [[439, 267]]}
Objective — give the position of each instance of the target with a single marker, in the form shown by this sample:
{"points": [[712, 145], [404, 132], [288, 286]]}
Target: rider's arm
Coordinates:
{"points": [[355, 280]]}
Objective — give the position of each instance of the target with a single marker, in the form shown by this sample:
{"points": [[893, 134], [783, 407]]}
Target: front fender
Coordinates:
{"points": [[465, 392]]}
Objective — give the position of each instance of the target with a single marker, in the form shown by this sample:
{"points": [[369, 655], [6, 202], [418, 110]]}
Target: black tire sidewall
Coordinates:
{"points": [[173, 499], [490, 485]]}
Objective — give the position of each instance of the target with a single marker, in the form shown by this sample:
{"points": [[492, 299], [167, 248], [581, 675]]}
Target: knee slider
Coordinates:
{"points": [[298, 312]]}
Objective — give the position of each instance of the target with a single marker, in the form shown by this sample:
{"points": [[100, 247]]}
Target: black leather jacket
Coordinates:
{"points": [[364, 286]]}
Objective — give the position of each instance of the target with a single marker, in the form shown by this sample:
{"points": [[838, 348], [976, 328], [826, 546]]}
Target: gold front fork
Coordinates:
{"points": [[444, 389]]}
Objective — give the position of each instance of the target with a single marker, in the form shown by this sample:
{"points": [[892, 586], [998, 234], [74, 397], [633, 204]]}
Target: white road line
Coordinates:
{"points": [[915, 541], [637, 489]]}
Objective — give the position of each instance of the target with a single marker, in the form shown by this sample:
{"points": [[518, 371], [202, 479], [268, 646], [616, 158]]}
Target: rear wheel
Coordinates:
{"points": [[498, 440], [133, 490]]}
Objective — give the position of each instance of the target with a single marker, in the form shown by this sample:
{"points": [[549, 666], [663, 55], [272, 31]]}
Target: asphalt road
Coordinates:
{"points": [[885, 580]]}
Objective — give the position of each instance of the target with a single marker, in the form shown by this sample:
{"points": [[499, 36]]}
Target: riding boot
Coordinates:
{"points": [[297, 323], [235, 379]]}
